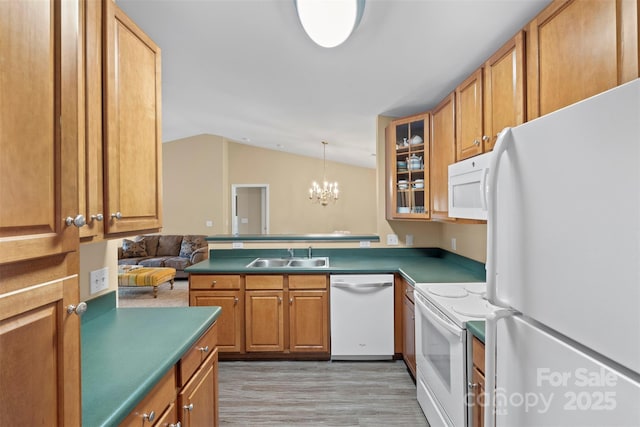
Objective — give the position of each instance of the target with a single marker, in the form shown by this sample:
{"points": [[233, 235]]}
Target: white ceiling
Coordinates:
{"points": [[246, 70]]}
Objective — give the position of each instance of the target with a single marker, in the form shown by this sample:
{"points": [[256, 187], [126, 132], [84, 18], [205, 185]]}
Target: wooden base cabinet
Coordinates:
{"points": [[409, 328], [267, 315], [223, 291], [231, 320], [308, 313], [198, 398], [264, 321], [477, 383], [40, 355]]}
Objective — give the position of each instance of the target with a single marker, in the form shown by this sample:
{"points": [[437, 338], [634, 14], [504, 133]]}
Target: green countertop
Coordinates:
{"points": [[416, 265], [332, 237], [126, 351], [476, 327]]}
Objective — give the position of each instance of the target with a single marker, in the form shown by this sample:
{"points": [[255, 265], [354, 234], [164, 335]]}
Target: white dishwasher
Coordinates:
{"points": [[362, 317]]}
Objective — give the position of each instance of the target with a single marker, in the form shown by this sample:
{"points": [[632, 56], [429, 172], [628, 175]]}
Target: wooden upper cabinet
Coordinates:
{"points": [[504, 97], [469, 117], [407, 169], [38, 129], [579, 48], [443, 153], [90, 121], [132, 142]]}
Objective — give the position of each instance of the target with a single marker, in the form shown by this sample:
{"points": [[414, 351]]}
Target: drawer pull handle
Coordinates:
{"points": [[204, 349], [178, 424], [188, 407], [213, 283], [149, 417]]}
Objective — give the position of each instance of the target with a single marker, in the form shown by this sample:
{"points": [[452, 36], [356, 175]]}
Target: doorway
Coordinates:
{"points": [[249, 209]]}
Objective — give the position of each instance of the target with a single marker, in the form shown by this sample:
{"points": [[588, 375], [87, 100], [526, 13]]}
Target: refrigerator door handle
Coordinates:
{"points": [[483, 188], [490, 363], [504, 139]]}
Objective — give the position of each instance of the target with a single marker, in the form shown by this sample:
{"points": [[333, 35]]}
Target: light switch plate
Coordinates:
{"points": [[392, 239], [99, 280]]}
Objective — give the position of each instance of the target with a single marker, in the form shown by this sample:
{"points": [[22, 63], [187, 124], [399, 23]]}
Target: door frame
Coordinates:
{"points": [[264, 206]]}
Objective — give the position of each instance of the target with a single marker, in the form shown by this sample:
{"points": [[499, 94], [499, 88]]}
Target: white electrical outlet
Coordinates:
{"points": [[409, 240], [237, 245], [99, 280], [209, 223], [453, 243], [365, 244], [392, 239]]}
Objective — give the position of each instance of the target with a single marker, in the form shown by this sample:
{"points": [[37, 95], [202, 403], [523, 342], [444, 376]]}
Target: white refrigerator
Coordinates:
{"points": [[563, 259]]}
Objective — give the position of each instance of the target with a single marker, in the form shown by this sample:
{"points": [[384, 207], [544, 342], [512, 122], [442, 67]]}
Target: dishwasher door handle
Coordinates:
{"points": [[361, 285]]}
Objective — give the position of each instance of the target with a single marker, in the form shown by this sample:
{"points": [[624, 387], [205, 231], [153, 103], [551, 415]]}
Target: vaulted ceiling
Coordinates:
{"points": [[245, 69]]}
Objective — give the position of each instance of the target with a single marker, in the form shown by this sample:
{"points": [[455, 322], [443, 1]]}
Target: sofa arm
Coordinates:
{"points": [[199, 255]]}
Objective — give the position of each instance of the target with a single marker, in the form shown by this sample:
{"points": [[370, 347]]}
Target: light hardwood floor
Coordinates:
{"points": [[283, 393]]}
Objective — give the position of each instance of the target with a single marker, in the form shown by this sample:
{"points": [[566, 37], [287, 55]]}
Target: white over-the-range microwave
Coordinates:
{"points": [[468, 189]]}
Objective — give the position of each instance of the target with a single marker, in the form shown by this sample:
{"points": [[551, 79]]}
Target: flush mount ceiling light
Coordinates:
{"points": [[329, 22], [328, 192]]}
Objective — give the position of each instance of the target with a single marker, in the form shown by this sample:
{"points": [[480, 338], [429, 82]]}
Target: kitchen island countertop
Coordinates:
{"points": [[126, 351]]}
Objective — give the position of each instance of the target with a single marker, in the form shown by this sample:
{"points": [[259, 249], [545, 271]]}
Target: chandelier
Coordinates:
{"points": [[328, 192]]}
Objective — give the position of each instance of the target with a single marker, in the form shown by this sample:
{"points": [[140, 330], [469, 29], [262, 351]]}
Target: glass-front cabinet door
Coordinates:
{"points": [[407, 174]]}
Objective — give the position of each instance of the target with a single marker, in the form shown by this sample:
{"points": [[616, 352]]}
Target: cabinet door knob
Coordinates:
{"points": [[78, 221], [204, 349], [279, 300], [97, 217], [476, 142], [79, 309], [188, 407], [116, 215], [178, 424], [235, 301], [149, 417], [213, 283], [485, 138], [472, 386]]}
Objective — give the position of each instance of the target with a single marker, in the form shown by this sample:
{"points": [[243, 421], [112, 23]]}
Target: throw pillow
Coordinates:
{"points": [[190, 244], [131, 249]]}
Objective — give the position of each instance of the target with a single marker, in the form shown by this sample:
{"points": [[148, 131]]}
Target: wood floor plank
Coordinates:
{"points": [[286, 393]]}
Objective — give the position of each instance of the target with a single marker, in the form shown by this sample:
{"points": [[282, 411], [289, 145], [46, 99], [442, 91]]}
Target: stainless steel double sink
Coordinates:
{"points": [[315, 262]]}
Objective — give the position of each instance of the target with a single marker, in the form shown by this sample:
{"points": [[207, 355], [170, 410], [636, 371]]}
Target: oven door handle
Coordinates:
{"points": [[439, 319]]}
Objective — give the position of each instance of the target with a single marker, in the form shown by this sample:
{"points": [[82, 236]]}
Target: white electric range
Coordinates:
{"points": [[442, 351]]}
